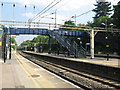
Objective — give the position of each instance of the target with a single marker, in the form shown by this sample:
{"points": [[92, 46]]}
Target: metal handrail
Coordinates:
{"points": [[72, 47]]}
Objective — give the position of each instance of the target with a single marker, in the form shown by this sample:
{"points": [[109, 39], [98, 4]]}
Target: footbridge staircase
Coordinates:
{"points": [[72, 47]]}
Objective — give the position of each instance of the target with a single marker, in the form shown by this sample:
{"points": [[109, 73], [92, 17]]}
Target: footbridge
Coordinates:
{"points": [[57, 32]]}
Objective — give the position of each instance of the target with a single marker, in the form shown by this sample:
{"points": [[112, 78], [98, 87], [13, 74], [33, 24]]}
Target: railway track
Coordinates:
{"points": [[83, 80]]}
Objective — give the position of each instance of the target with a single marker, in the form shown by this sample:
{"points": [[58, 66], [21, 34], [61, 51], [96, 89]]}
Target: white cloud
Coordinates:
{"points": [[44, 16], [66, 5], [24, 2], [66, 8], [76, 4], [28, 15]]}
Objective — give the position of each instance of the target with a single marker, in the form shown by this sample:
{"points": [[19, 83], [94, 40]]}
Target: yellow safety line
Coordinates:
{"points": [[36, 84], [45, 81]]}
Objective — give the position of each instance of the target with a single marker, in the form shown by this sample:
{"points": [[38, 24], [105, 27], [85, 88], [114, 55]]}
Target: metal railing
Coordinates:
{"points": [[72, 47]]}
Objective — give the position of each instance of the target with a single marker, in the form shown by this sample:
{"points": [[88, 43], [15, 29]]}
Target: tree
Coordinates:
{"points": [[69, 22], [67, 25], [41, 39], [26, 43], [37, 40], [116, 15], [98, 22], [13, 41], [81, 25], [102, 9]]}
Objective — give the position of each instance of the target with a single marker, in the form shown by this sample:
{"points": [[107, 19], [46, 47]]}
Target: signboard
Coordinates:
{"points": [[0, 43], [13, 36], [107, 46]]}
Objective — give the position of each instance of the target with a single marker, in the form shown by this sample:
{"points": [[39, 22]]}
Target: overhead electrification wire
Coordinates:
{"points": [[50, 7], [63, 4], [43, 10], [46, 10], [78, 15], [84, 13], [45, 16]]}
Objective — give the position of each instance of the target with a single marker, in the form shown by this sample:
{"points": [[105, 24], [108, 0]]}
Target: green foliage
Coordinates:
{"points": [[102, 9], [13, 47], [98, 22], [69, 23], [37, 40], [26, 43], [81, 24], [90, 24], [13, 42], [2, 26], [116, 15], [41, 39]]}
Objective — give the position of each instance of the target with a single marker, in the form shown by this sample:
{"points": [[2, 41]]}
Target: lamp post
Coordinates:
{"points": [[55, 18], [107, 45], [74, 18]]}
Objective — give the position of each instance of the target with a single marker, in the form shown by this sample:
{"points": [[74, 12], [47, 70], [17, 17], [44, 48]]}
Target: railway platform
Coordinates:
{"points": [[21, 73], [97, 60]]}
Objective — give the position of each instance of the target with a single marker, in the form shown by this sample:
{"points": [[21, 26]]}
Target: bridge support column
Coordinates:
{"points": [[49, 43], [92, 43]]}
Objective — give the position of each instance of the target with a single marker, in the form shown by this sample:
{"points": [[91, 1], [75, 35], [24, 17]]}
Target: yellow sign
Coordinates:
{"points": [[0, 43], [107, 46]]}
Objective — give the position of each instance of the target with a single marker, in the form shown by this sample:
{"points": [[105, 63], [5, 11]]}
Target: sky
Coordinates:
{"points": [[64, 11]]}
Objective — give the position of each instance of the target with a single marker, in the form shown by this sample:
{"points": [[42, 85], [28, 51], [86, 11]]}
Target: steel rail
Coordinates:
{"points": [[91, 77]]}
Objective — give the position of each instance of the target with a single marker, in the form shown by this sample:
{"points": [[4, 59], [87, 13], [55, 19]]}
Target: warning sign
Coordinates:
{"points": [[0, 43]]}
